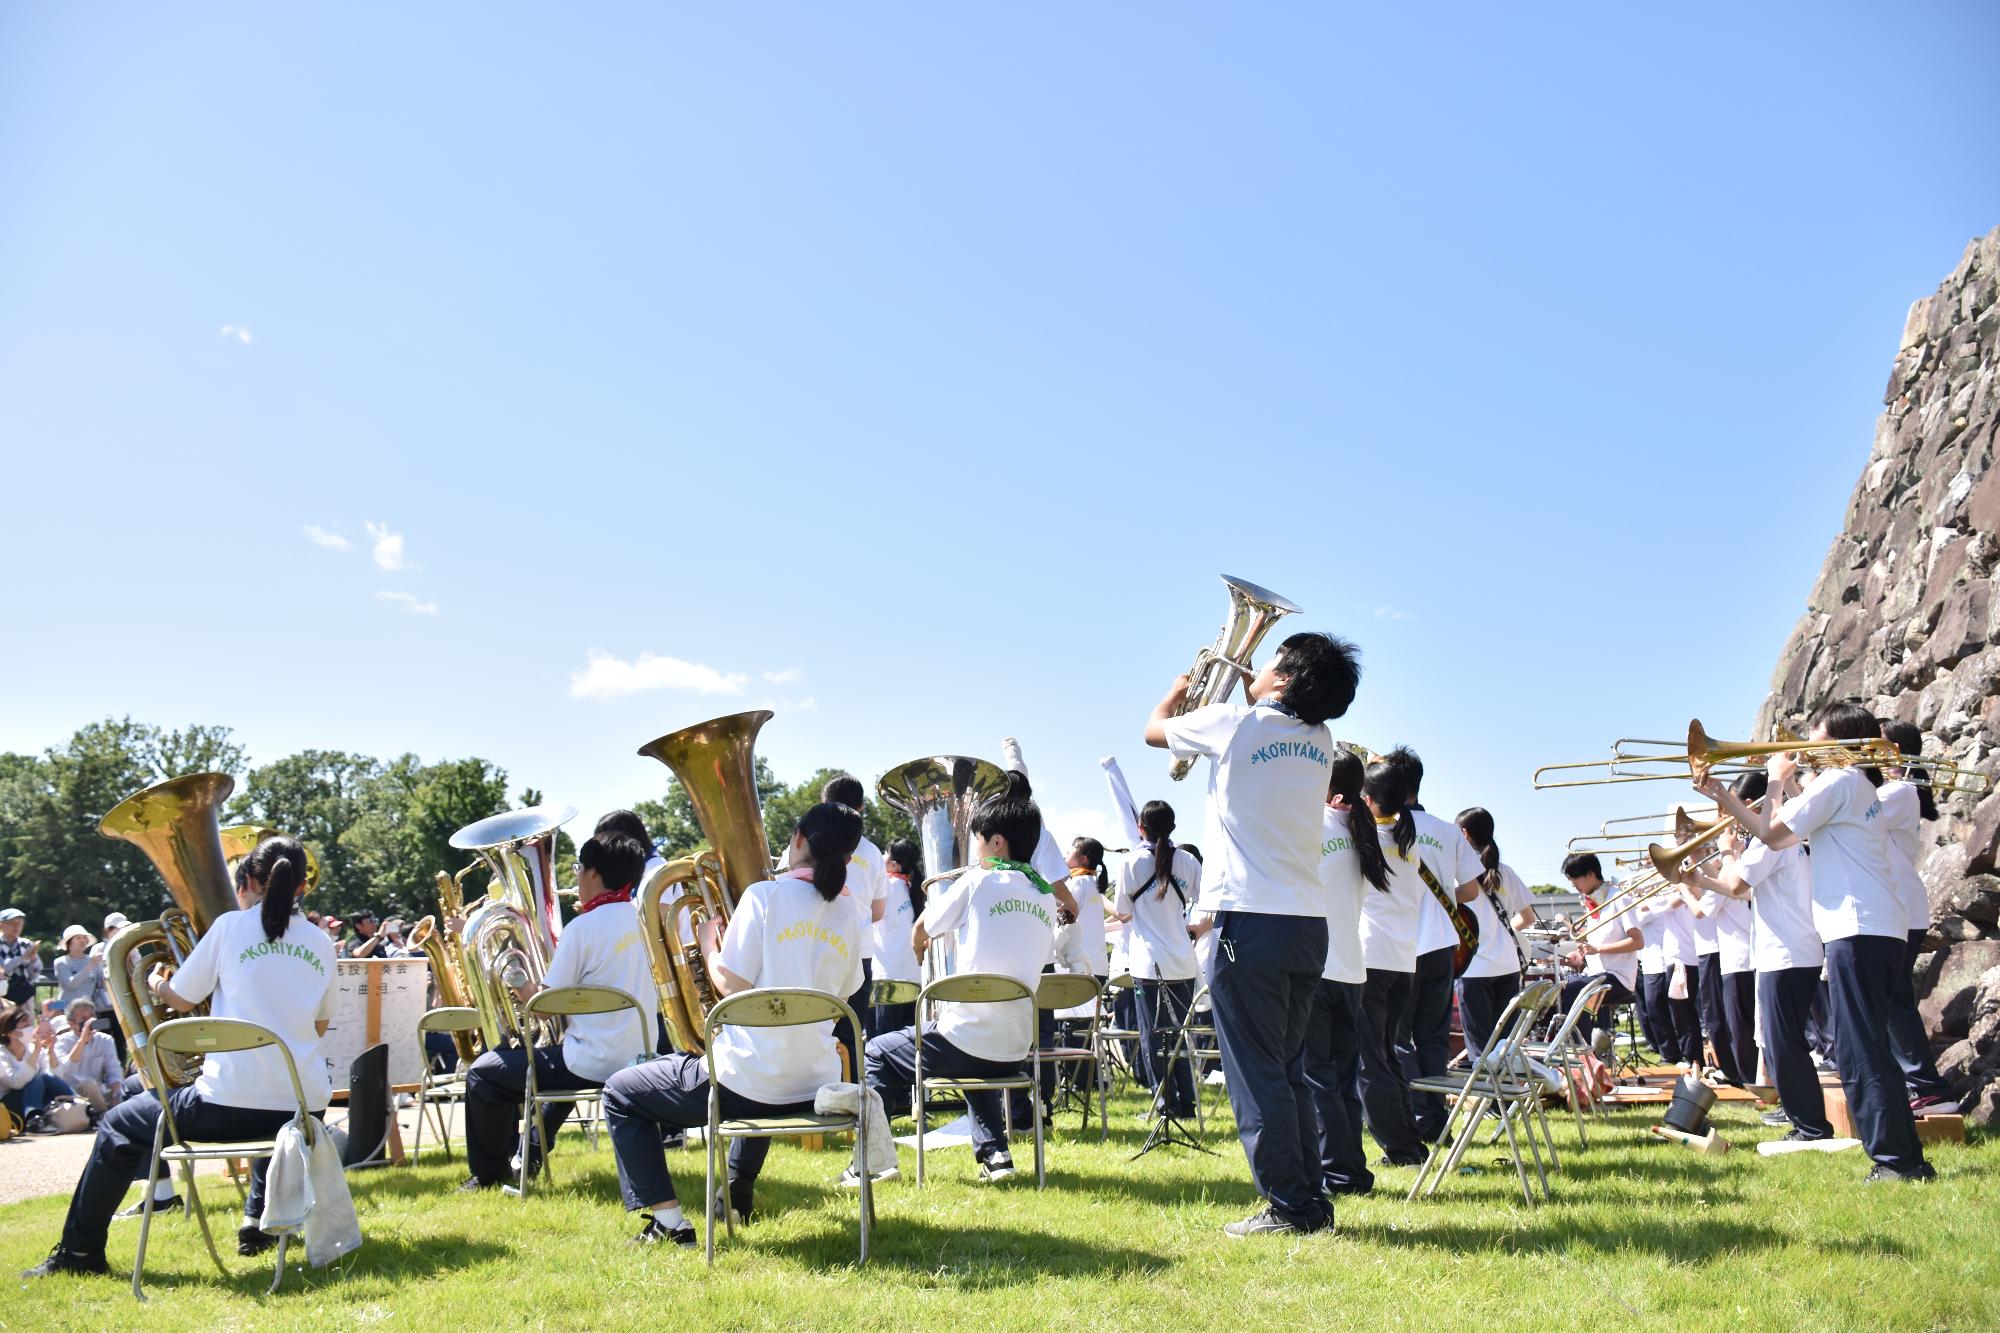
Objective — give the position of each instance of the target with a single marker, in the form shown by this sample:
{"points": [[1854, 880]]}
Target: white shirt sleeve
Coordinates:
{"points": [[943, 912], [743, 943], [329, 1003], [1813, 808], [194, 980], [1205, 731], [1190, 869], [1514, 895], [568, 966], [1469, 866], [1122, 900]]}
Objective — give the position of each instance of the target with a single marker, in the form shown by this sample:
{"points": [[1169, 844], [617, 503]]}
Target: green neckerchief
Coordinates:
{"points": [[1034, 876]]}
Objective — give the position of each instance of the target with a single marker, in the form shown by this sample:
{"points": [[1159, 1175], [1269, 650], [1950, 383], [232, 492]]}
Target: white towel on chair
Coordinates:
{"points": [[841, 1099], [306, 1191]]}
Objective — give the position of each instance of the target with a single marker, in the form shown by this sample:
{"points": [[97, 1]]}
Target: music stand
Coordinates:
{"points": [[1167, 1127]]}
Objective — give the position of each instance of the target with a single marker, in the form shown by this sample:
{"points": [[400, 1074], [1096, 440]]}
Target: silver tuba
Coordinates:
{"points": [[1252, 612], [940, 795], [509, 939]]}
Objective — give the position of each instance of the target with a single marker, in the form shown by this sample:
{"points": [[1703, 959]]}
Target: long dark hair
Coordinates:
{"points": [[1156, 821], [1344, 781], [1477, 824], [1846, 720], [832, 831], [279, 864], [1092, 851], [1385, 785], [1911, 741], [909, 858]]}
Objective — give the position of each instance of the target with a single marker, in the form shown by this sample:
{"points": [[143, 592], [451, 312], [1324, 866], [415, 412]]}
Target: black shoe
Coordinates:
{"points": [[1354, 1188], [251, 1241], [1402, 1159], [999, 1166], [1271, 1222], [473, 1185], [1884, 1172], [655, 1234], [742, 1201], [61, 1261], [176, 1204]]}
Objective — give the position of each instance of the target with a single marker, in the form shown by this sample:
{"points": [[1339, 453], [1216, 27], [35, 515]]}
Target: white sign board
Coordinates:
{"points": [[381, 999]]}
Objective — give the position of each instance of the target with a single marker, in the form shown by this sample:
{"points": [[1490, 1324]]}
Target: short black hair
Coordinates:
{"points": [[626, 822], [1322, 673], [908, 857], [844, 790], [1578, 864], [1018, 821], [1846, 720], [617, 858], [1411, 767]]}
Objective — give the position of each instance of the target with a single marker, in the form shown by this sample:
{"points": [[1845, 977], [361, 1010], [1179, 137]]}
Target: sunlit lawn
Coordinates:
{"points": [[1641, 1235]]}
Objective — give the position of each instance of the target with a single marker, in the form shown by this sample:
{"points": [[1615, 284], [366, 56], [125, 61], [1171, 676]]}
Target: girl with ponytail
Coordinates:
{"points": [[264, 964], [1907, 804], [1503, 906], [1157, 886], [1389, 921], [802, 929], [1090, 885]]}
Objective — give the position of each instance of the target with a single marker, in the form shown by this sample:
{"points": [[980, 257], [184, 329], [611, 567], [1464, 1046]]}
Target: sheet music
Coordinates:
{"points": [[404, 987]]}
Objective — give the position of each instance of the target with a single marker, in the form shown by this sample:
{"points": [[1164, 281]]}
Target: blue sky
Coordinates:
{"points": [[915, 370]]}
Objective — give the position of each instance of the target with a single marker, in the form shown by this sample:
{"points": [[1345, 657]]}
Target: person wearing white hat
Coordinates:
{"points": [[79, 972], [20, 959]]}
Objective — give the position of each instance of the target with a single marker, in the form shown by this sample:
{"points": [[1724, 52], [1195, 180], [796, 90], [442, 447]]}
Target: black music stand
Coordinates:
{"points": [[1168, 1128]]}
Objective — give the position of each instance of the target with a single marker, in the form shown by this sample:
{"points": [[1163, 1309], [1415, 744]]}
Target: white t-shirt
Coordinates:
{"points": [[1442, 846], [1903, 823], [1781, 901], [1009, 927], [1624, 966], [1048, 860], [1735, 927], [601, 947], [1706, 941], [1496, 956], [1652, 935], [1159, 949], [894, 959], [1389, 918], [286, 985], [866, 880], [1676, 931], [1347, 889], [784, 934], [1266, 794], [1090, 921], [1853, 887]]}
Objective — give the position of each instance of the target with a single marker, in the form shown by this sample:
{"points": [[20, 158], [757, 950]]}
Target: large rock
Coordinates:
{"points": [[1982, 839], [1946, 983]]}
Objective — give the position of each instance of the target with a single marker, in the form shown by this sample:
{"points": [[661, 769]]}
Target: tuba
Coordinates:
{"points": [[174, 823], [940, 795], [509, 939], [1252, 612], [716, 767]]}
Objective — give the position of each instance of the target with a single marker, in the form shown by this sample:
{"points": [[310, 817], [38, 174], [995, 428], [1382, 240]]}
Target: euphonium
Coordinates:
{"points": [[715, 763], [510, 938], [174, 823], [1252, 612], [447, 968]]}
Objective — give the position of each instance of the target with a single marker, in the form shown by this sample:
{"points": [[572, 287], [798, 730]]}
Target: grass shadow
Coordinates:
{"points": [[965, 1257], [385, 1257]]}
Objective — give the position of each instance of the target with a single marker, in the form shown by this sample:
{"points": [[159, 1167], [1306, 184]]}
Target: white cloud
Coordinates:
{"points": [[388, 548], [1392, 613], [789, 676], [610, 677], [409, 602], [331, 541], [240, 332]]}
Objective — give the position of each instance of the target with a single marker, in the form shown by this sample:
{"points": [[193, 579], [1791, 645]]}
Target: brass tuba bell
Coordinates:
{"points": [[1252, 612], [510, 938]]}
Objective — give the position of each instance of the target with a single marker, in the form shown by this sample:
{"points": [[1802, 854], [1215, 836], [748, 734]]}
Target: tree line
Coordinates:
{"points": [[380, 828]]}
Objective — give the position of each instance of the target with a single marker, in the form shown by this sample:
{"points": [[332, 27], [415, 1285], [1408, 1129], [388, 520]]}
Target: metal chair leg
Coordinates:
{"points": [[146, 1212], [201, 1217]]}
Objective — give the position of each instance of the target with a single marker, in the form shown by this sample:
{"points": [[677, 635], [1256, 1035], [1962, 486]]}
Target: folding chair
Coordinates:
{"points": [[1498, 1083], [566, 1002], [207, 1036], [779, 1007], [979, 988], [1197, 1055], [1117, 1047], [1071, 990], [1563, 1052], [438, 1093]]}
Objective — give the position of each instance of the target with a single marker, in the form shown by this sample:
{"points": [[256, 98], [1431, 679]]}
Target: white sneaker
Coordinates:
{"points": [[850, 1179], [999, 1166], [1215, 1079]]}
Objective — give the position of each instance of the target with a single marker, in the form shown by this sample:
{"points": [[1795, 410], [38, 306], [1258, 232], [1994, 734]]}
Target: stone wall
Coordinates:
{"points": [[1906, 617]]}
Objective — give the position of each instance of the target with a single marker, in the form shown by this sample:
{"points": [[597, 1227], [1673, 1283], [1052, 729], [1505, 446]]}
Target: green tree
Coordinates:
{"points": [[401, 835], [671, 820]]}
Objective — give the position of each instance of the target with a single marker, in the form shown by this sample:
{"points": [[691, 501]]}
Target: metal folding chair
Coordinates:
{"points": [[1563, 1052], [1070, 990], [567, 1002], [207, 1036], [438, 1093], [1117, 1048], [1197, 1055], [778, 1007], [979, 988], [1499, 1083]]}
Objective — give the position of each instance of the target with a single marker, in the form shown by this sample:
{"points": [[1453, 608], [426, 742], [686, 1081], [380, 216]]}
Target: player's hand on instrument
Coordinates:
{"points": [[1177, 693], [1779, 770], [710, 935], [1711, 786]]}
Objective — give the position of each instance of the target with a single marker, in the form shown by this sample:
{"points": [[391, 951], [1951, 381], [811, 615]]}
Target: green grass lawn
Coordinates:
{"points": [[1641, 1233]]}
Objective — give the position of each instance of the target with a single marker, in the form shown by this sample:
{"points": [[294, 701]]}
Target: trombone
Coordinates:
{"points": [[1665, 865], [1702, 757]]}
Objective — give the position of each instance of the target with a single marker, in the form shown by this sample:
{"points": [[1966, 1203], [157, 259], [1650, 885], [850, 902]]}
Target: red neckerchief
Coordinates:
{"points": [[623, 895]]}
